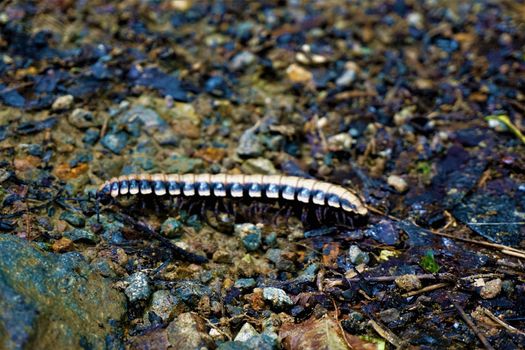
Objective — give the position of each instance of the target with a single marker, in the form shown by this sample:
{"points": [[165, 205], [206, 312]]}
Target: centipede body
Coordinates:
{"points": [[290, 189]]}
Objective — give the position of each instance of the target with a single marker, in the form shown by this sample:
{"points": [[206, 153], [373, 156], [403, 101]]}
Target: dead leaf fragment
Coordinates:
{"points": [[318, 334]]}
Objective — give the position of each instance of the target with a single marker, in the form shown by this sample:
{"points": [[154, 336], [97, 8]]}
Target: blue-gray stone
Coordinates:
{"points": [[190, 292], [384, 232], [245, 283], [73, 219], [270, 239], [53, 301], [115, 142], [357, 256], [245, 333], [91, 136], [250, 235], [234, 345], [138, 288], [171, 228], [81, 235], [277, 297], [163, 303]]}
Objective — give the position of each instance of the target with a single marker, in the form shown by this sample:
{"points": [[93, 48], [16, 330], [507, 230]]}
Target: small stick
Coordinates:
{"points": [[385, 333], [502, 248], [177, 251], [500, 322], [424, 290], [470, 323], [426, 276]]}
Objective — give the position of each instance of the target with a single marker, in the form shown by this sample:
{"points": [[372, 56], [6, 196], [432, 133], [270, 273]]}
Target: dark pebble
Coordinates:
{"points": [[384, 232], [73, 219]]}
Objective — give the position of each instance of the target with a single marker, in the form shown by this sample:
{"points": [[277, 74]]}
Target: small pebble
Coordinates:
{"points": [[242, 60], [163, 303], [398, 183], [221, 256], [245, 283], [340, 142], [250, 235], [81, 118], [62, 102], [73, 219], [115, 142], [389, 315], [348, 76], [408, 282], [246, 332], [81, 235], [298, 74], [62, 245], [384, 231], [138, 288], [491, 289], [277, 297], [357, 256], [171, 228], [259, 166]]}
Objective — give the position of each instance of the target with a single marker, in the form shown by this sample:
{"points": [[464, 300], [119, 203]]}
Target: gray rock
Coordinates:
{"points": [[191, 292], [250, 235], [138, 288], [408, 282], [347, 78], [163, 303], [246, 332], [171, 228], [357, 256], [147, 116], [277, 297], [242, 60], [188, 332], [491, 289], [50, 301], [389, 315], [259, 166], [73, 219], [115, 142], [234, 345], [385, 232], [249, 145], [277, 257], [245, 283], [62, 102], [82, 235], [82, 119]]}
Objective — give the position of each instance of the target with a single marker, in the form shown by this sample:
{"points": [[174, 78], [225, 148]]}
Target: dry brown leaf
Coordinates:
{"points": [[319, 334]]}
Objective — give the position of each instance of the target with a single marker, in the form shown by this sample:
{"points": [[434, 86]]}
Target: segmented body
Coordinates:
{"points": [[278, 187]]}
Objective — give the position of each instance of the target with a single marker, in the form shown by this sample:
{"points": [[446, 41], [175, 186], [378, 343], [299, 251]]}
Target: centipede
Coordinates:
{"points": [[290, 191]]}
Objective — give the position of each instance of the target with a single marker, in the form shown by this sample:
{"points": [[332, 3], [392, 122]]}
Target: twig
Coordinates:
{"points": [[177, 251], [496, 319], [340, 325], [385, 333], [426, 276], [209, 323], [424, 290], [470, 323], [502, 248]]}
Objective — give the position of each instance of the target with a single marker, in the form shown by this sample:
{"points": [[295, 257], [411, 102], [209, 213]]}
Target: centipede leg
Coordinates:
{"points": [[319, 214], [304, 214]]}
